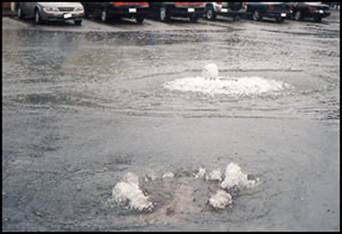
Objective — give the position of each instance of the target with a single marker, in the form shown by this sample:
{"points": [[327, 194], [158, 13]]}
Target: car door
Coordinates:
{"points": [[29, 8]]}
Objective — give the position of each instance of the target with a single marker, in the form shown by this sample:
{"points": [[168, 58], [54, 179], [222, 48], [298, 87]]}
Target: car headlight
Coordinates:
{"points": [[51, 9], [78, 9]]}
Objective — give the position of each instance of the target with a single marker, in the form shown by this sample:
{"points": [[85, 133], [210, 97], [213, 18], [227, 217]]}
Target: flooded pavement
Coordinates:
{"points": [[82, 106]]}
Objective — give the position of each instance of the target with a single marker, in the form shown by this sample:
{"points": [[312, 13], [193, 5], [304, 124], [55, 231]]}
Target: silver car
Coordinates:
{"points": [[51, 11]]}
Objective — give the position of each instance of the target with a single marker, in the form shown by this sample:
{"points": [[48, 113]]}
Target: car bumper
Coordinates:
{"points": [[127, 11], [275, 15], [321, 14], [59, 16], [186, 12], [227, 12]]}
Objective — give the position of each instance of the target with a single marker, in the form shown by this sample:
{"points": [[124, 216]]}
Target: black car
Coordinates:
{"points": [[104, 11], [166, 10], [302, 10], [229, 9], [259, 10]]}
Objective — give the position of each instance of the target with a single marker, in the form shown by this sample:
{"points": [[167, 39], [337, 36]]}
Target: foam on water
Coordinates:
{"points": [[235, 177], [233, 86], [170, 193], [214, 175], [210, 71], [221, 199], [129, 194]]}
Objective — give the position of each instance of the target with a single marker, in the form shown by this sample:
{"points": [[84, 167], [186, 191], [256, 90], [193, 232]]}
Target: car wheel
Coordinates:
{"points": [[280, 19], [20, 13], [256, 16], [236, 18], [163, 15], [318, 19], [104, 16], [298, 15], [37, 17], [78, 22], [193, 19], [140, 19], [210, 13]]}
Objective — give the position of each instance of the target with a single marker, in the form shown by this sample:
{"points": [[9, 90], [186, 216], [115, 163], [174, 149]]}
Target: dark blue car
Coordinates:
{"points": [[302, 10], [260, 10]]}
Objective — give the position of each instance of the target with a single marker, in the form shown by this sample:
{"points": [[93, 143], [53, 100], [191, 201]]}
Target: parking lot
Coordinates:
{"points": [[83, 105]]}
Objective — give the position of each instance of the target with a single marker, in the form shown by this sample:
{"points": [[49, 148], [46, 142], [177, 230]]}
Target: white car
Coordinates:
{"points": [[229, 9], [51, 11]]}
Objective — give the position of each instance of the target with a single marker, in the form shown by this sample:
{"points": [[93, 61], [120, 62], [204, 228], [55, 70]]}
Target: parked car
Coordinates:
{"points": [[105, 11], [260, 10], [301, 10], [229, 9], [51, 11], [166, 10]]}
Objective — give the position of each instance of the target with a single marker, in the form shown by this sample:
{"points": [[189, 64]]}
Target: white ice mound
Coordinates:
{"points": [[231, 86], [235, 177], [210, 71], [221, 200], [129, 194], [214, 175]]}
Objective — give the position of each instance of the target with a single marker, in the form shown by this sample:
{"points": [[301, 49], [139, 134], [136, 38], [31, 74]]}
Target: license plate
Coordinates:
{"points": [[321, 11], [67, 16], [283, 14], [191, 9], [224, 10], [132, 10]]}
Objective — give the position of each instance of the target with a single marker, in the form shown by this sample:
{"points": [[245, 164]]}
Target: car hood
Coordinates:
{"points": [[60, 4]]}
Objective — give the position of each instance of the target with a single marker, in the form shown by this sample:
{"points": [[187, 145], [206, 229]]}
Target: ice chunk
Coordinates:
{"points": [[235, 177], [215, 175], [128, 193], [221, 200], [210, 71], [201, 173]]}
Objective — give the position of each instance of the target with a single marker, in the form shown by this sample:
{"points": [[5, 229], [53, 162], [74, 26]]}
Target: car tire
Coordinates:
{"points": [[318, 19], [163, 14], [193, 19], [210, 14], [280, 19], [140, 19], [37, 17], [78, 22], [236, 18], [298, 15], [256, 16], [20, 13]]}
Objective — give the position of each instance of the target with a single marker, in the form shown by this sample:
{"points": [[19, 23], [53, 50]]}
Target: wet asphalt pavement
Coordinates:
{"points": [[82, 106]]}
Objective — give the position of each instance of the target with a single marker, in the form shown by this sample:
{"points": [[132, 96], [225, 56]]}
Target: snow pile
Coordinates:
{"points": [[129, 194], [235, 177], [210, 71], [221, 200]]}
